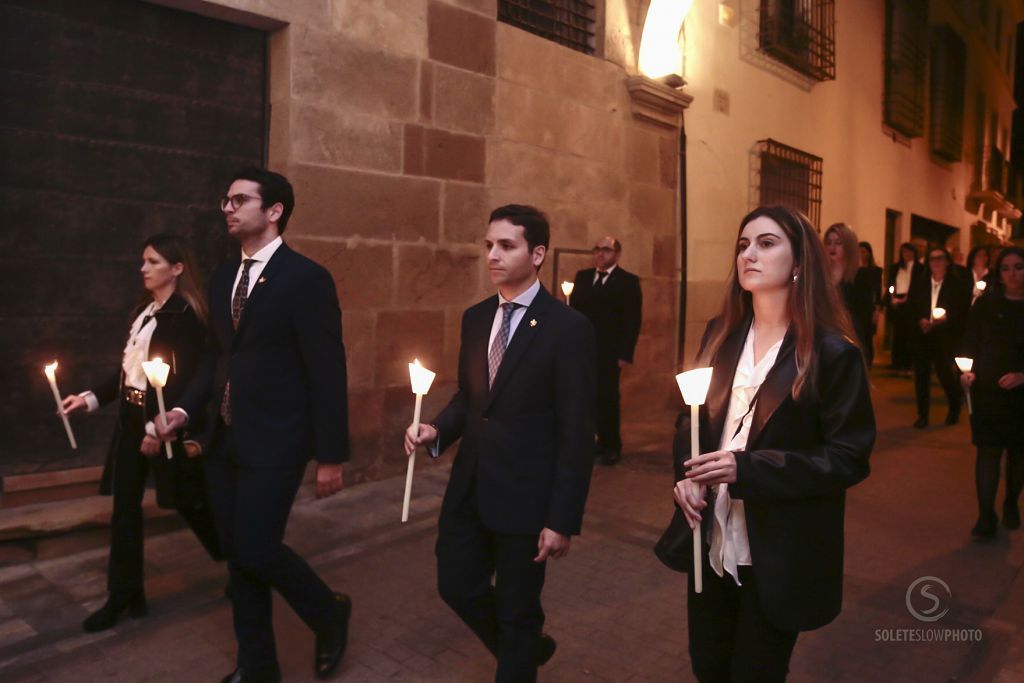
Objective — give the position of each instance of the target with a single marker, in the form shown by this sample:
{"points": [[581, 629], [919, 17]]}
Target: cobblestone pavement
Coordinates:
{"points": [[617, 614]]}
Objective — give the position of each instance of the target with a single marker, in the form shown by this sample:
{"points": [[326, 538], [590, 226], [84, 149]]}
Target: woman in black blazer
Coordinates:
{"points": [[995, 340], [899, 283], [787, 427], [168, 323]]}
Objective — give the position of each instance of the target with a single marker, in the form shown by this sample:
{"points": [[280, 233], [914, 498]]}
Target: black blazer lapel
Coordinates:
{"points": [[531, 323], [270, 271], [777, 385], [720, 391]]}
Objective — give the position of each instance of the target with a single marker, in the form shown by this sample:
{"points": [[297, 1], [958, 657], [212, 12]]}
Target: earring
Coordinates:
{"points": [[795, 276]]}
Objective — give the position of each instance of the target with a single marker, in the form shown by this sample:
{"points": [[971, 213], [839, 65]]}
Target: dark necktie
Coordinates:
{"points": [[497, 352], [602, 277], [237, 306]]}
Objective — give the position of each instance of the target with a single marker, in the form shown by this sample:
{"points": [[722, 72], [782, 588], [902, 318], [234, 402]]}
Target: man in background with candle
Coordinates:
{"points": [[275, 376], [935, 338], [611, 298], [524, 410]]}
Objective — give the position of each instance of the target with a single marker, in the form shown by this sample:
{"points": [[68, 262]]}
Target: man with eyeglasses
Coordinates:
{"points": [[611, 298], [275, 376]]}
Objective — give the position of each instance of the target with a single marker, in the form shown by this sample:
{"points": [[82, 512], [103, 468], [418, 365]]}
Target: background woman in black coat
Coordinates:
{"points": [[870, 277], [855, 290], [781, 446], [899, 283], [168, 323], [995, 340]]}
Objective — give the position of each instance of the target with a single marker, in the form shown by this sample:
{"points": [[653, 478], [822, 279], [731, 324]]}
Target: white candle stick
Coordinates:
{"points": [[966, 365], [421, 379], [693, 385], [156, 372], [567, 288], [51, 375]]}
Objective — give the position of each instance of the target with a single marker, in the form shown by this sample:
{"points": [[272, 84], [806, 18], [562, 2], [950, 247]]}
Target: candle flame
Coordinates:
{"points": [[965, 364], [892, 290], [693, 385], [567, 287], [50, 369], [938, 313], [981, 285], [420, 377]]}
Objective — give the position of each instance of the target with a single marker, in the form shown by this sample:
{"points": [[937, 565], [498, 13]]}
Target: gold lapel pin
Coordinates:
{"points": [[533, 322], [261, 280]]}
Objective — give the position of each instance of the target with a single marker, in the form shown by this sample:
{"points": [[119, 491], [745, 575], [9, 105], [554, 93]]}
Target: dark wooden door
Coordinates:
{"points": [[118, 120]]}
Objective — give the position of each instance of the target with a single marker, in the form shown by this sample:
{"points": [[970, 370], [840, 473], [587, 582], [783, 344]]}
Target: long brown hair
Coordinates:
{"points": [[813, 302], [851, 249], [189, 286]]}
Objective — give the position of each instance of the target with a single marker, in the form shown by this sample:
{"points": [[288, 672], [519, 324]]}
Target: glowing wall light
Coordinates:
{"points": [[660, 51]]}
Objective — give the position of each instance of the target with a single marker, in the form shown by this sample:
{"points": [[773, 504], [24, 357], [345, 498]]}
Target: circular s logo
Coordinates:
{"points": [[922, 601]]}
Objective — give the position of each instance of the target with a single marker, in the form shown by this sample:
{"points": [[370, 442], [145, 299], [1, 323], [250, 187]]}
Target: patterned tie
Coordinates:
{"points": [[497, 351], [237, 306]]}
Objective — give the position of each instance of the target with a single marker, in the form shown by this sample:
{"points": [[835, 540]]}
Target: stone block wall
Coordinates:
{"points": [[402, 123]]}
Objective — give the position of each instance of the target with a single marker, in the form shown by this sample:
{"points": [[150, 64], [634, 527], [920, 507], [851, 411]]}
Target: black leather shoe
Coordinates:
{"points": [[546, 649], [331, 642], [953, 416], [268, 674], [1011, 515], [986, 527], [105, 617], [921, 423]]}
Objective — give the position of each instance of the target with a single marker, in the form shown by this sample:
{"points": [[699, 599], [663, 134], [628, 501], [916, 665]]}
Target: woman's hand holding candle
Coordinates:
{"points": [[716, 467], [689, 496]]}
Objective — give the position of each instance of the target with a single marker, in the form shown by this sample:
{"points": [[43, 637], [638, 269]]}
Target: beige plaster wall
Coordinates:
{"points": [[864, 170]]}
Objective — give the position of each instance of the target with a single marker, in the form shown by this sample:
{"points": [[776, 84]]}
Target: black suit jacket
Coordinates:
{"points": [[615, 309], [800, 458], [954, 296], [527, 443], [919, 272], [286, 364]]}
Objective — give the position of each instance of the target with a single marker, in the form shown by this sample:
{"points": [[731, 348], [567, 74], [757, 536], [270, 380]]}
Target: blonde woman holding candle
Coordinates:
{"points": [[787, 427], [168, 323]]}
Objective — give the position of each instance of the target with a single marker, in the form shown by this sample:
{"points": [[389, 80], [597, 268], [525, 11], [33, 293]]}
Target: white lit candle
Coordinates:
{"points": [[156, 372], [938, 313], [567, 288], [980, 285], [421, 379], [892, 290], [693, 385], [51, 374], [966, 365]]}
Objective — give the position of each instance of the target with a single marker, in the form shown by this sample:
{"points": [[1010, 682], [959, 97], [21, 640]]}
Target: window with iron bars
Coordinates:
{"points": [[567, 22], [948, 78], [801, 35], [906, 56], [790, 177]]}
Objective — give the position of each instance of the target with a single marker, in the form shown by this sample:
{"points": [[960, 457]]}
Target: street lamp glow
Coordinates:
{"points": [[660, 51]]}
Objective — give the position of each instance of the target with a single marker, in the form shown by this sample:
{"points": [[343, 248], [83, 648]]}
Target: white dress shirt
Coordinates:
{"points": [[607, 273], [524, 300], [260, 259], [730, 547]]}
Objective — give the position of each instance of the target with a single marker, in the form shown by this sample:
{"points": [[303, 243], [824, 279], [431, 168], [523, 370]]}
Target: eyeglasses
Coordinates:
{"points": [[236, 201], [937, 257], [603, 250]]}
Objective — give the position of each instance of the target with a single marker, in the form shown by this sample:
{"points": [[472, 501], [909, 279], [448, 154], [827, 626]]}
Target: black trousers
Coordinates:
{"points": [[926, 357], [251, 506], [731, 639], [902, 358], [608, 438], [131, 468], [505, 615]]}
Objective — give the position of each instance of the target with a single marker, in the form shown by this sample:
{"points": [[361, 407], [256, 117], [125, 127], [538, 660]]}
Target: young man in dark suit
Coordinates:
{"points": [[611, 298], [275, 376], [524, 410]]}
